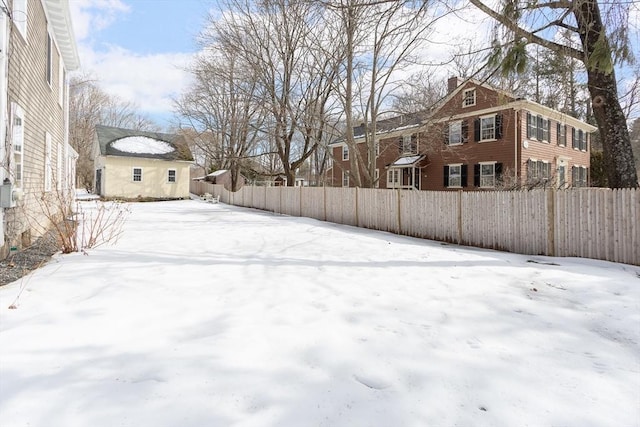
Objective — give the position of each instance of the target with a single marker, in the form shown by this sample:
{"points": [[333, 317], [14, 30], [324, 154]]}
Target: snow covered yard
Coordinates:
{"points": [[210, 315]]}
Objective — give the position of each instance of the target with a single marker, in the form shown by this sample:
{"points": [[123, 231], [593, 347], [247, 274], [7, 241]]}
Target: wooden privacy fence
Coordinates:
{"points": [[589, 222]]}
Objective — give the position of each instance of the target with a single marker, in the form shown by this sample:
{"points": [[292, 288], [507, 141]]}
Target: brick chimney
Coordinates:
{"points": [[453, 83]]}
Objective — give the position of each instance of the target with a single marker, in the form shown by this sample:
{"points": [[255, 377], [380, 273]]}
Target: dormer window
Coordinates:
{"points": [[469, 97]]}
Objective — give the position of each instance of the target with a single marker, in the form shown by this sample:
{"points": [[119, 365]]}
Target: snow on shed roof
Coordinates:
{"points": [[132, 143], [142, 145]]}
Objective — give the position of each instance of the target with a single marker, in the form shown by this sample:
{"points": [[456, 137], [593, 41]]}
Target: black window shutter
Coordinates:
{"points": [[529, 132], [476, 130], [446, 176], [498, 171], [464, 130], [400, 144], [530, 169], [463, 175], [499, 126], [476, 175], [540, 129], [446, 134], [573, 137], [558, 133]]}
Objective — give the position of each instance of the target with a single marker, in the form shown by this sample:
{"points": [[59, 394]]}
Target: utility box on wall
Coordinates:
{"points": [[8, 195]]}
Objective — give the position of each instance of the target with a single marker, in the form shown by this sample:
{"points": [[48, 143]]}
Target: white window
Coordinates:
{"points": [[408, 147], [137, 175], [487, 175], [376, 144], [469, 98], [487, 128], [20, 16], [48, 169], [376, 178], [17, 143], [393, 178], [455, 176], [345, 178], [455, 133], [171, 175], [345, 152]]}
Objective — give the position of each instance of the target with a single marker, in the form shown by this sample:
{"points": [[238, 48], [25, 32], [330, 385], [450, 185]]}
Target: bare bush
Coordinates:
{"points": [[80, 225], [100, 223]]}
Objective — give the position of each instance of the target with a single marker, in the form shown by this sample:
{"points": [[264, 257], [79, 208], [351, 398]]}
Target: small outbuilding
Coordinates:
{"points": [[223, 177], [133, 164]]}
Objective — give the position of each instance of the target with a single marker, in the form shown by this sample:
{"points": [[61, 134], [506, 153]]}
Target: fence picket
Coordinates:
{"points": [[590, 222]]}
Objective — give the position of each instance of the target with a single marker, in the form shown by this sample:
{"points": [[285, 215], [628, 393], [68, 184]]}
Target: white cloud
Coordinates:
{"points": [[149, 81], [95, 15]]}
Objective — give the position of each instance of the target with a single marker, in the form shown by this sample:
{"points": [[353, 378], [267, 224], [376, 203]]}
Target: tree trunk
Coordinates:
{"points": [[616, 144]]}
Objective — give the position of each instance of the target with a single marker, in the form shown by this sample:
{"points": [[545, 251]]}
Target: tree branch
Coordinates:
{"points": [[529, 36]]}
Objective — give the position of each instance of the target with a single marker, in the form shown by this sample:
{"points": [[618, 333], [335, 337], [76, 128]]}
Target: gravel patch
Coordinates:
{"points": [[23, 262]]}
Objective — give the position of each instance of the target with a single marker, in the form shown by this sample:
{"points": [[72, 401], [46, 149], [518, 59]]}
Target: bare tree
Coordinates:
{"points": [[420, 92], [279, 40], [601, 48], [223, 106], [380, 40]]}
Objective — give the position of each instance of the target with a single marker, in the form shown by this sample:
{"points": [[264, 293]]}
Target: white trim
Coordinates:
{"points": [[345, 152], [464, 97], [487, 116], [61, 80], [17, 143], [49, 60], [59, 18], [493, 163], [455, 165], [459, 123], [48, 166]]}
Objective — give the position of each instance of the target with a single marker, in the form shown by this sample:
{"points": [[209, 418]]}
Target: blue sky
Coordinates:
{"points": [[138, 49], [156, 26]]}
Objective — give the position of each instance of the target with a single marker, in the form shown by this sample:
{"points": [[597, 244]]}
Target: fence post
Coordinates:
{"points": [[551, 222], [459, 216], [324, 200], [300, 210], [357, 210], [399, 212]]}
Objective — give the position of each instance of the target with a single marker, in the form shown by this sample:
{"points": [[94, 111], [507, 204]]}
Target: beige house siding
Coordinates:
{"points": [[117, 178], [44, 108]]}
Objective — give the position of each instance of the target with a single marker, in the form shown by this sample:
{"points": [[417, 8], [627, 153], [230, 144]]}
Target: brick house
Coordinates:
{"points": [[477, 137], [38, 50]]}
